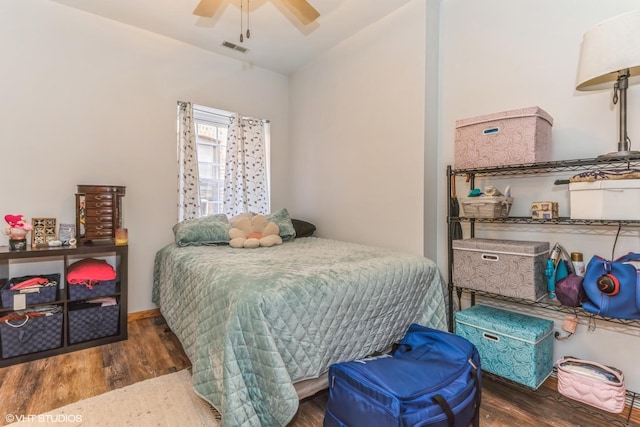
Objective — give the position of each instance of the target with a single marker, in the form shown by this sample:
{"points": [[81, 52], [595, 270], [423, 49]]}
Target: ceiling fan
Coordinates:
{"points": [[300, 8]]}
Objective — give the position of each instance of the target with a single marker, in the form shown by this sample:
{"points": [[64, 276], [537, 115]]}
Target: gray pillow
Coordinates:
{"points": [[207, 230], [283, 221], [303, 228]]}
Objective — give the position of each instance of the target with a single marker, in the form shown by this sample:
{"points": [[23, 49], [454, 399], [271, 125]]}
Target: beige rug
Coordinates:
{"points": [[168, 400]]}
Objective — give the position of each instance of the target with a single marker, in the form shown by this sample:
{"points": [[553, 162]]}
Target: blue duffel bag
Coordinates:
{"points": [[432, 379]]}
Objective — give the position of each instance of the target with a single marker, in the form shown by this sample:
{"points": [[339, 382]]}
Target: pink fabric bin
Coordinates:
{"points": [[506, 138]]}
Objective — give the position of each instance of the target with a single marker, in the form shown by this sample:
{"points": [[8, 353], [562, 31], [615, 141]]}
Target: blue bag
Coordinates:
{"points": [[612, 287], [432, 379]]}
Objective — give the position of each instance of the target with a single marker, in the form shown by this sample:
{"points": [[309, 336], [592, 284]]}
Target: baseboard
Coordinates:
{"points": [[139, 315]]}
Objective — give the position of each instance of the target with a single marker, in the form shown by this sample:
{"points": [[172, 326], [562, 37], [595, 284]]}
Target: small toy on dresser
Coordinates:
{"points": [[17, 231]]}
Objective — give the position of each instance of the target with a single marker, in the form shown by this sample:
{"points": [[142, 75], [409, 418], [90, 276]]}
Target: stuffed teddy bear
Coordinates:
{"points": [[254, 232]]}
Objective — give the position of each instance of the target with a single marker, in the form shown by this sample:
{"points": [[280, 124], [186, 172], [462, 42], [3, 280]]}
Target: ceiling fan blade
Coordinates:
{"points": [[302, 10], [207, 8]]}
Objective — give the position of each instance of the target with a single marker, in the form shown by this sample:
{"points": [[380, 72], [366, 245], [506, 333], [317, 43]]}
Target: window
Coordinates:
{"points": [[220, 185], [211, 128]]}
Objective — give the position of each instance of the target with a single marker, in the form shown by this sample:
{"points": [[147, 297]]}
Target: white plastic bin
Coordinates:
{"points": [[616, 199]]}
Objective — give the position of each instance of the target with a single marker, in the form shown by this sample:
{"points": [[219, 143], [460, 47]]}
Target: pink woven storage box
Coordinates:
{"points": [[506, 138]]}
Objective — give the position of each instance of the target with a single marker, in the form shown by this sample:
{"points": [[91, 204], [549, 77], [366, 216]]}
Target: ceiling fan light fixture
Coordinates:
{"points": [[302, 9], [241, 28], [248, 10]]}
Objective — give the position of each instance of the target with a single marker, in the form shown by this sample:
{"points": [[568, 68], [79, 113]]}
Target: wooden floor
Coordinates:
{"points": [[152, 350]]}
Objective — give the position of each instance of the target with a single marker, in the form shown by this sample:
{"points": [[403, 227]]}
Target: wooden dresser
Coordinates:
{"points": [[98, 212]]}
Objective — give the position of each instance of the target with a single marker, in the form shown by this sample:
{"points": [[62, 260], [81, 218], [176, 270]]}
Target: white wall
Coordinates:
{"points": [[357, 135], [86, 100], [499, 55]]}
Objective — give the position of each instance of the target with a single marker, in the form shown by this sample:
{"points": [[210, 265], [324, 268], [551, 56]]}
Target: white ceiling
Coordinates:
{"points": [[278, 41]]}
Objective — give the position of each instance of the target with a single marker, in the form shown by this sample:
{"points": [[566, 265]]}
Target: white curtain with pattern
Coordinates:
{"points": [[245, 183], [188, 177]]}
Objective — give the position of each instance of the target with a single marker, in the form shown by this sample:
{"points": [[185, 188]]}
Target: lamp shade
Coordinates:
{"points": [[609, 47]]}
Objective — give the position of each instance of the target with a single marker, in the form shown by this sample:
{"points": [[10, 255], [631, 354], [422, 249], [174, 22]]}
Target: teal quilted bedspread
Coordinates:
{"points": [[254, 321]]}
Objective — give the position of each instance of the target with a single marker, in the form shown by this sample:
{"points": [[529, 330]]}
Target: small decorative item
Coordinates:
{"points": [[17, 231], [81, 214], [544, 210], [122, 236], [44, 231], [66, 234]]}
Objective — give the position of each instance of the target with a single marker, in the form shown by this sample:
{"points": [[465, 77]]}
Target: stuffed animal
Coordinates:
{"points": [[16, 221], [254, 232], [18, 228]]}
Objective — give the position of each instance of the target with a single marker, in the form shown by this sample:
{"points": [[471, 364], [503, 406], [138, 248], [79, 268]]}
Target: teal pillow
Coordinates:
{"points": [[207, 230], [283, 221]]}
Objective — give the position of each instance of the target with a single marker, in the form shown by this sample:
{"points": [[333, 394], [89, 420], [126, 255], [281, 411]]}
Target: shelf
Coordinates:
{"points": [[528, 169], [556, 221], [548, 303], [83, 249], [62, 299], [67, 254], [598, 163]]}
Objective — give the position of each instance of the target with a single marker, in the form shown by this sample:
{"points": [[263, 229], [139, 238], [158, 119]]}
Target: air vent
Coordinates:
{"points": [[234, 46]]}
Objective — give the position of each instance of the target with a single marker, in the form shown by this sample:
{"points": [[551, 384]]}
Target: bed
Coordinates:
{"points": [[258, 323]]}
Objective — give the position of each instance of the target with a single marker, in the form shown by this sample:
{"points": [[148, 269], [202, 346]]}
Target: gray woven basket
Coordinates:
{"points": [[486, 207]]}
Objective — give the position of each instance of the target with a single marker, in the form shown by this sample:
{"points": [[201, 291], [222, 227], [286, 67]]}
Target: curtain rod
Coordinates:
{"points": [[208, 111]]}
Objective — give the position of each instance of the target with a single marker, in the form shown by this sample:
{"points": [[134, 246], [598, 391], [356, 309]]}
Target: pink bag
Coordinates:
{"points": [[592, 383]]}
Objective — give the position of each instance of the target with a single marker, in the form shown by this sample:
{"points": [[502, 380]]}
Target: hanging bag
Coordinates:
{"points": [[613, 287]]}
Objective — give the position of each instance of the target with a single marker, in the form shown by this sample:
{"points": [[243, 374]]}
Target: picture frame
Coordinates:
{"points": [[66, 232], [44, 231]]}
